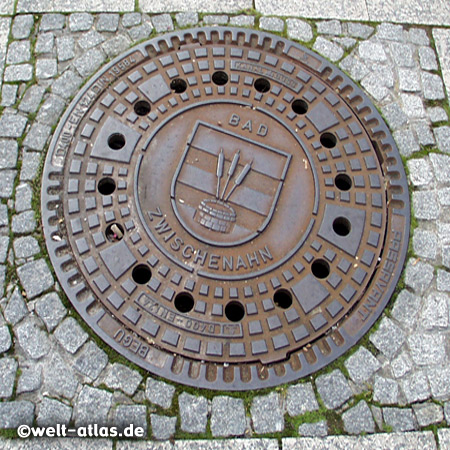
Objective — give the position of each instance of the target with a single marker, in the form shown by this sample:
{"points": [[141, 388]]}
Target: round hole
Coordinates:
{"points": [[343, 182], [114, 232], [106, 186], [328, 140], [141, 274], [299, 106], [116, 141], [320, 268], [341, 226], [220, 78], [282, 298], [142, 107], [178, 85], [234, 311], [262, 85], [184, 302]]}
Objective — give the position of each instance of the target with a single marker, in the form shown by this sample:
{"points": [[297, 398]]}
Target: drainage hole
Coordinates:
{"points": [[234, 311], [184, 302], [114, 232], [141, 274], [106, 186], [320, 268], [328, 140], [178, 85], [341, 226], [262, 85], [142, 107], [116, 141], [299, 106], [220, 78], [343, 182], [282, 298]]}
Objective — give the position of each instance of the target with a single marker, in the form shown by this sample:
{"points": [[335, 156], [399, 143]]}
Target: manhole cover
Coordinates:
{"points": [[225, 208]]}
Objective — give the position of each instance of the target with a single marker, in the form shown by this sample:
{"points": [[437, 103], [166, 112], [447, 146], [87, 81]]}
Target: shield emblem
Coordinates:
{"points": [[226, 186]]}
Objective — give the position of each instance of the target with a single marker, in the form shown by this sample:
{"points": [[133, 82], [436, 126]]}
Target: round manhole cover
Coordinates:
{"points": [[225, 208]]}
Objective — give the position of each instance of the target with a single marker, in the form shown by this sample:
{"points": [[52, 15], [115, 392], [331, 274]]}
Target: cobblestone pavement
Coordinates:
{"points": [[391, 391]]}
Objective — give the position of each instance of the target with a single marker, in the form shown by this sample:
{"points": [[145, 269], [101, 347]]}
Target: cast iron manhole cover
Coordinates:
{"points": [[225, 208]]}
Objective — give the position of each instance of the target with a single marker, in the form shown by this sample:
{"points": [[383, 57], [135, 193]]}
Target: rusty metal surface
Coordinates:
{"points": [[225, 208]]}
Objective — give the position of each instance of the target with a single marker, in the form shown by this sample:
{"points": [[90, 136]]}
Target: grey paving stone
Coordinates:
{"points": [[4, 245], [425, 244], [193, 413], [375, 86], [406, 142], [427, 58], [406, 308], [228, 416], [399, 419], [446, 256], [267, 414], [50, 112], [328, 49], [433, 88], [12, 125], [18, 52], [437, 114], [418, 36], [270, 24], [409, 80], [16, 308], [162, 23], [45, 43], [413, 105], [13, 414], [301, 399], [131, 19], [91, 360], [70, 335], [332, 27], [444, 200], [355, 68], [8, 369], [24, 195], [424, 133], [159, 393], [30, 379], [443, 281], [377, 415], [123, 378], [444, 232], [35, 277], [372, 51], [299, 29], [108, 22], [439, 379], [2, 277], [359, 30], [390, 32], [141, 31], [32, 99], [8, 153], [50, 309], [428, 414], [4, 208], [442, 41], [67, 84], [23, 223], [420, 172], [216, 19], [418, 275], [92, 406], [89, 62], [52, 412], [385, 391], [243, 21], [9, 94], [22, 25], [116, 45], [19, 72], [80, 22], [90, 39], [6, 190], [402, 55], [442, 135], [388, 338], [52, 22], [358, 420], [163, 427], [362, 365], [59, 378], [125, 415], [427, 349], [32, 339], [65, 48], [443, 438], [345, 42], [426, 206], [333, 388], [447, 412], [185, 19], [30, 165], [37, 136], [319, 429]]}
